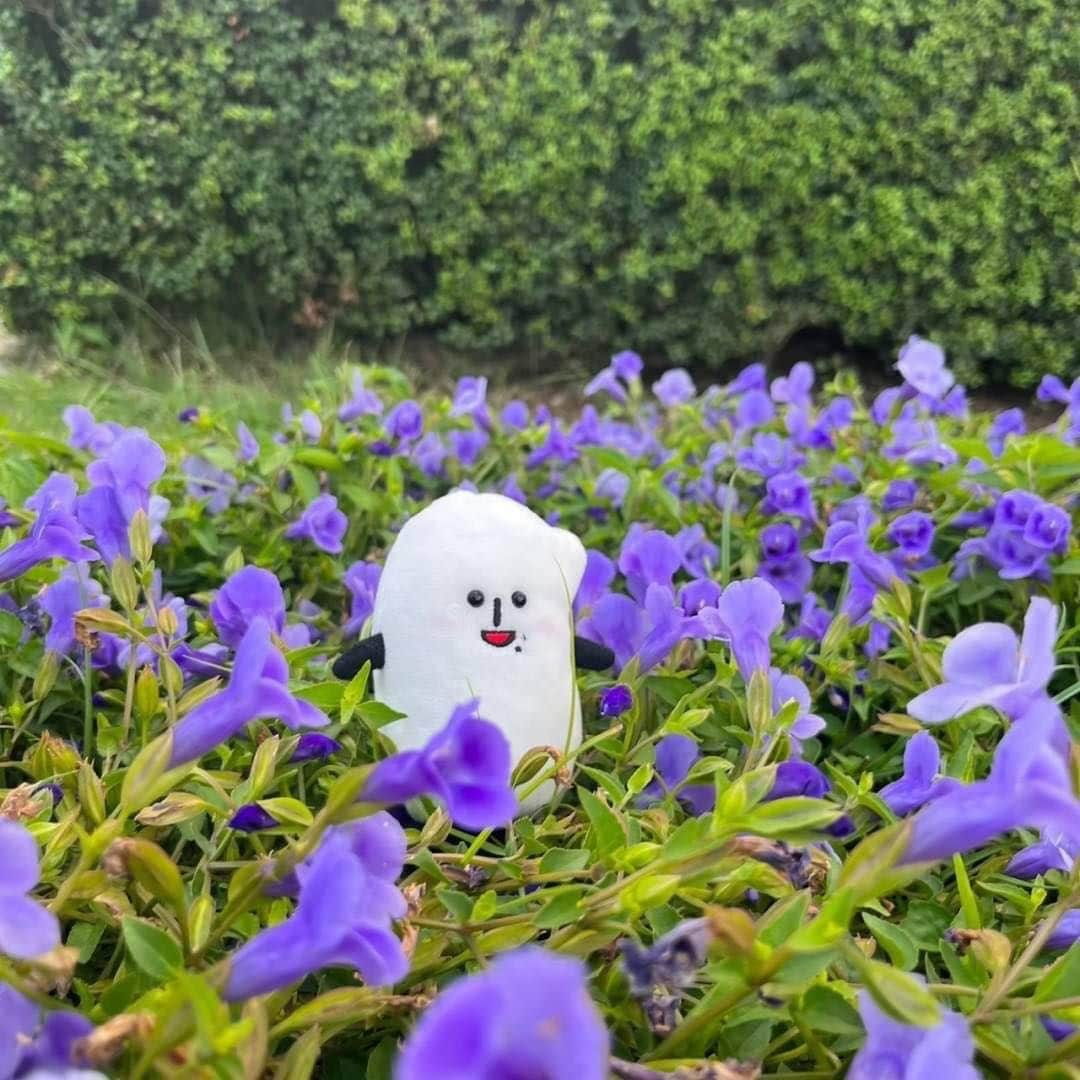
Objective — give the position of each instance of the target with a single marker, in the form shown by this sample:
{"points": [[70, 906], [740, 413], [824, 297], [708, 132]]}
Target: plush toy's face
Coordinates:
{"points": [[475, 601]]}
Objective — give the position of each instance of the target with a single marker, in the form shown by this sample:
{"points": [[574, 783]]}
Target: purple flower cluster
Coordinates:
{"points": [[1024, 533], [348, 902]]}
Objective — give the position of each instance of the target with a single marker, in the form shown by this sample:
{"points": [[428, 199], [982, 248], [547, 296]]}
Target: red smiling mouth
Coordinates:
{"points": [[499, 638]]}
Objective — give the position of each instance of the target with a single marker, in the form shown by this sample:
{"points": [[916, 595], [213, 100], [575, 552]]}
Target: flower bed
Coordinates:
{"points": [[824, 814]]}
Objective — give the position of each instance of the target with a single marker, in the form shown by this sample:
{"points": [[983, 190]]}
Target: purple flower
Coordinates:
{"points": [[1053, 389], [616, 700], [1029, 785], [788, 493], [754, 409], [343, 919], [73, 591], [789, 577], [205, 481], [698, 594], [188, 415], [747, 615], [1039, 859], [612, 485], [466, 766], [512, 490], [258, 688], [699, 554], [59, 490], [250, 593], [85, 433], [922, 363], [788, 688], [779, 541], [898, 1051], [515, 415], [405, 421], [606, 382], [7, 519], [1048, 528], [100, 513], [251, 817], [986, 665], [362, 581], [467, 446], [429, 455], [883, 404], [1065, 933], [362, 403], [913, 534], [798, 778], [675, 757], [627, 365], [919, 442], [527, 1016], [556, 447], [310, 425], [1009, 422], [26, 928], [470, 399], [920, 782], [55, 534], [648, 557], [313, 745], [599, 574], [130, 466], [650, 631], [752, 377], [814, 619], [37, 1046], [322, 523], [846, 542], [795, 387], [674, 387], [769, 454], [248, 450], [900, 494]]}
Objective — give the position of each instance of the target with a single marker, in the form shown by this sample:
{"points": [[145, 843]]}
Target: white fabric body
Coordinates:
{"points": [[435, 655]]}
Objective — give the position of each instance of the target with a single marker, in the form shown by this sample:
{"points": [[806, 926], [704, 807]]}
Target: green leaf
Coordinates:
{"points": [[154, 951], [288, 811], [894, 940], [459, 904], [326, 695], [1062, 979], [607, 832], [558, 860], [354, 692], [898, 994], [792, 816], [822, 1009], [563, 909], [376, 715]]}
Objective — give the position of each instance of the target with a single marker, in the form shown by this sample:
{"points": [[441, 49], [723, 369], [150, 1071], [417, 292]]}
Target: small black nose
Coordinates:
{"points": [[498, 611]]}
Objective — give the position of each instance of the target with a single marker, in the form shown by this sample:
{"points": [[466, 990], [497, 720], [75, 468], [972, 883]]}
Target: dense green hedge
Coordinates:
{"points": [[700, 177]]}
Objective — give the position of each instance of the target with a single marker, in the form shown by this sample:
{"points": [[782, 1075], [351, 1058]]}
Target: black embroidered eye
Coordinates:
{"points": [[518, 599], [476, 598]]}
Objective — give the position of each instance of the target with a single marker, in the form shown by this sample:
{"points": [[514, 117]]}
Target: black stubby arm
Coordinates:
{"points": [[591, 656], [354, 658]]}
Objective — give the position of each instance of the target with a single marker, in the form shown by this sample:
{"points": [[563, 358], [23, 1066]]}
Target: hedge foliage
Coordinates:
{"points": [[708, 175]]}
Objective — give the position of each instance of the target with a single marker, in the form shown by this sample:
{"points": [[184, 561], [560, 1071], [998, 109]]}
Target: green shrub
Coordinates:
{"points": [[700, 178]]}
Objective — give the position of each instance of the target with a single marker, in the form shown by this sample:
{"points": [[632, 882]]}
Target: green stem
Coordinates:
{"points": [[88, 705]]}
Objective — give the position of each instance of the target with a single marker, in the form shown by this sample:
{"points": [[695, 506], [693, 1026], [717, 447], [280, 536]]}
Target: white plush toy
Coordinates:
{"points": [[475, 601]]}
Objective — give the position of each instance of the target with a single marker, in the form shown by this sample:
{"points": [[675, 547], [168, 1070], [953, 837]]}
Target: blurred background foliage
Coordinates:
{"points": [[704, 178]]}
